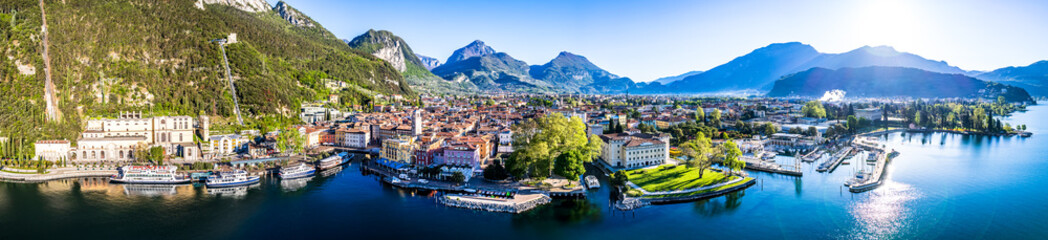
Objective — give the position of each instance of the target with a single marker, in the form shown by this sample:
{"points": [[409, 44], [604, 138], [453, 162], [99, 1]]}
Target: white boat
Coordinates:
{"points": [[298, 171], [591, 182], [231, 179], [331, 161], [149, 175]]}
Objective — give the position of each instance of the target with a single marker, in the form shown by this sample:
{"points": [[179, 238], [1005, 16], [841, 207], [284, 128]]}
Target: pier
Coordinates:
{"points": [[756, 164], [835, 161], [876, 178], [517, 204]]}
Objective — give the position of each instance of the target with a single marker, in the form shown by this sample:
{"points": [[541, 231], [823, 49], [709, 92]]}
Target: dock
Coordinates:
{"points": [[517, 204], [835, 161], [771, 167], [876, 178]]}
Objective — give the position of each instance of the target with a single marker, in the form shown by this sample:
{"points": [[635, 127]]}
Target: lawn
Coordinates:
{"points": [[669, 177], [744, 181]]}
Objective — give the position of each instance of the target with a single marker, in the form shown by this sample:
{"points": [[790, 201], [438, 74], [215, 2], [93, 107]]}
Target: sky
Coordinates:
{"points": [[645, 40]]}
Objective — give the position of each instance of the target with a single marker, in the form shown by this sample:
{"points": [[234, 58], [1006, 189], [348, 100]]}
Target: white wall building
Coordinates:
{"points": [[635, 150], [357, 138]]}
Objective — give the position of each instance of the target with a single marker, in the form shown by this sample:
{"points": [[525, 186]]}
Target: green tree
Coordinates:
{"points": [[732, 153], [698, 151], [458, 178], [569, 165], [496, 171], [769, 129], [156, 155], [700, 116], [814, 109], [619, 178], [715, 118]]}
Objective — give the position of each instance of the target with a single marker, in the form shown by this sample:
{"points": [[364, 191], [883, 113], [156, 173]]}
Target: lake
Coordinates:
{"points": [[941, 186]]}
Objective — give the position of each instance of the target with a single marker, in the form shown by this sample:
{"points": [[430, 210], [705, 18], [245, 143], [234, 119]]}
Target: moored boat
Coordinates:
{"points": [[331, 161], [298, 171], [231, 179], [149, 175]]}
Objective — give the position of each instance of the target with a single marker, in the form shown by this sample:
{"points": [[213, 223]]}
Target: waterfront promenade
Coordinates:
{"points": [[518, 204], [57, 173]]}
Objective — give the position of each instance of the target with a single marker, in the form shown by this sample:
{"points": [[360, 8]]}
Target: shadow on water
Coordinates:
{"points": [[714, 207], [561, 211]]}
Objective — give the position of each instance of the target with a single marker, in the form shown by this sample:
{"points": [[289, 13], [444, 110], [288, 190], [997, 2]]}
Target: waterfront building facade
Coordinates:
{"points": [[635, 150], [398, 149]]}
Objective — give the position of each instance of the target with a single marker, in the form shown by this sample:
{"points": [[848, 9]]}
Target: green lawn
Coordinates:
{"points": [[674, 178], [744, 181]]}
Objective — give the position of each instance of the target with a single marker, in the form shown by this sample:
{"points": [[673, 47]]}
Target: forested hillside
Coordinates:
{"points": [[158, 57]]}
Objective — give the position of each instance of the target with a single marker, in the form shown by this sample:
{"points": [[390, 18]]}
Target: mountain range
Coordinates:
{"points": [[1033, 78], [757, 70], [882, 81]]}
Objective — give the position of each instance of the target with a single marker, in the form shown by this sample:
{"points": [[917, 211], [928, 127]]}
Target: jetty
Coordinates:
{"points": [[874, 179], [835, 161], [516, 204], [757, 164]]}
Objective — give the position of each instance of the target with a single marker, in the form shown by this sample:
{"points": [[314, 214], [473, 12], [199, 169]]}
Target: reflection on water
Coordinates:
{"points": [[713, 207], [563, 211], [235, 192], [291, 185], [149, 190], [883, 213], [331, 171]]}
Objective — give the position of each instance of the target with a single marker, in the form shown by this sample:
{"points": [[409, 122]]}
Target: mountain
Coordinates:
{"points": [[383, 44], [292, 15], [1033, 78], [391, 48], [574, 73], [759, 69], [244, 5], [751, 71], [892, 82], [428, 62], [493, 72], [109, 56], [670, 79], [474, 49]]}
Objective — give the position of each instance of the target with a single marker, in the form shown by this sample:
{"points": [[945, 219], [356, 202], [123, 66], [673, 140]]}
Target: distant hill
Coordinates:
{"points": [[759, 69], [892, 82], [670, 79], [1033, 78], [391, 48], [428, 62], [574, 73], [157, 57]]}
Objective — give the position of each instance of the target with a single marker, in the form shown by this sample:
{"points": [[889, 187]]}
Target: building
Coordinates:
{"points": [[463, 155], [635, 150], [398, 149], [789, 140], [356, 138], [228, 144], [52, 150], [505, 141], [116, 139], [872, 114]]}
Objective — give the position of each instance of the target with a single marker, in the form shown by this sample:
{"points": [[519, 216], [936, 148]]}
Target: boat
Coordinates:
{"points": [[149, 175], [231, 179], [331, 161], [591, 182], [298, 171]]}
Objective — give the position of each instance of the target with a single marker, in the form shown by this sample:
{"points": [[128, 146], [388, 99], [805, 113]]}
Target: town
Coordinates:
{"points": [[542, 142]]}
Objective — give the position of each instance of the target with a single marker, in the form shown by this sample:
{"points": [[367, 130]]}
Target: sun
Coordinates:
{"points": [[887, 22]]}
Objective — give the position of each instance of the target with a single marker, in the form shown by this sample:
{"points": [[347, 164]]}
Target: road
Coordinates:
{"points": [[49, 87]]}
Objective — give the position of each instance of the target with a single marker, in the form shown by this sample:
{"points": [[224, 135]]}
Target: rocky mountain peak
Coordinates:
{"points": [[245, 5], [383, 44], [428, 62], [474, 49], [292, 15]]}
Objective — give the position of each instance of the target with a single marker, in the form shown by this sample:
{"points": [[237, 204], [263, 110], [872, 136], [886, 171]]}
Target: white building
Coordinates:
{"points": [[52, 150], [227, 144], [357, 138], [505, 141], [116, 139], [871, 114], [635, 150]]}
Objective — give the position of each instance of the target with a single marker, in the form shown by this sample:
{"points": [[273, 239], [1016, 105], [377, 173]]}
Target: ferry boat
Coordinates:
{"points": [[149, 175], [332, 161], [231, 179], [298, 171]]}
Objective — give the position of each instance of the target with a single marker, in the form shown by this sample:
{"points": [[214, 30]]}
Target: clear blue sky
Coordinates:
{"points": [[645, 40]]}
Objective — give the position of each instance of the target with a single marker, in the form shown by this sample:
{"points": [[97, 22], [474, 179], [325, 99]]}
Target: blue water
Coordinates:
{"points": [[942, 186]]}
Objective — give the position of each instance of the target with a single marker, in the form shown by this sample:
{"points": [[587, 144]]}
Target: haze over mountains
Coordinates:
{"points": [[879, 81]]}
